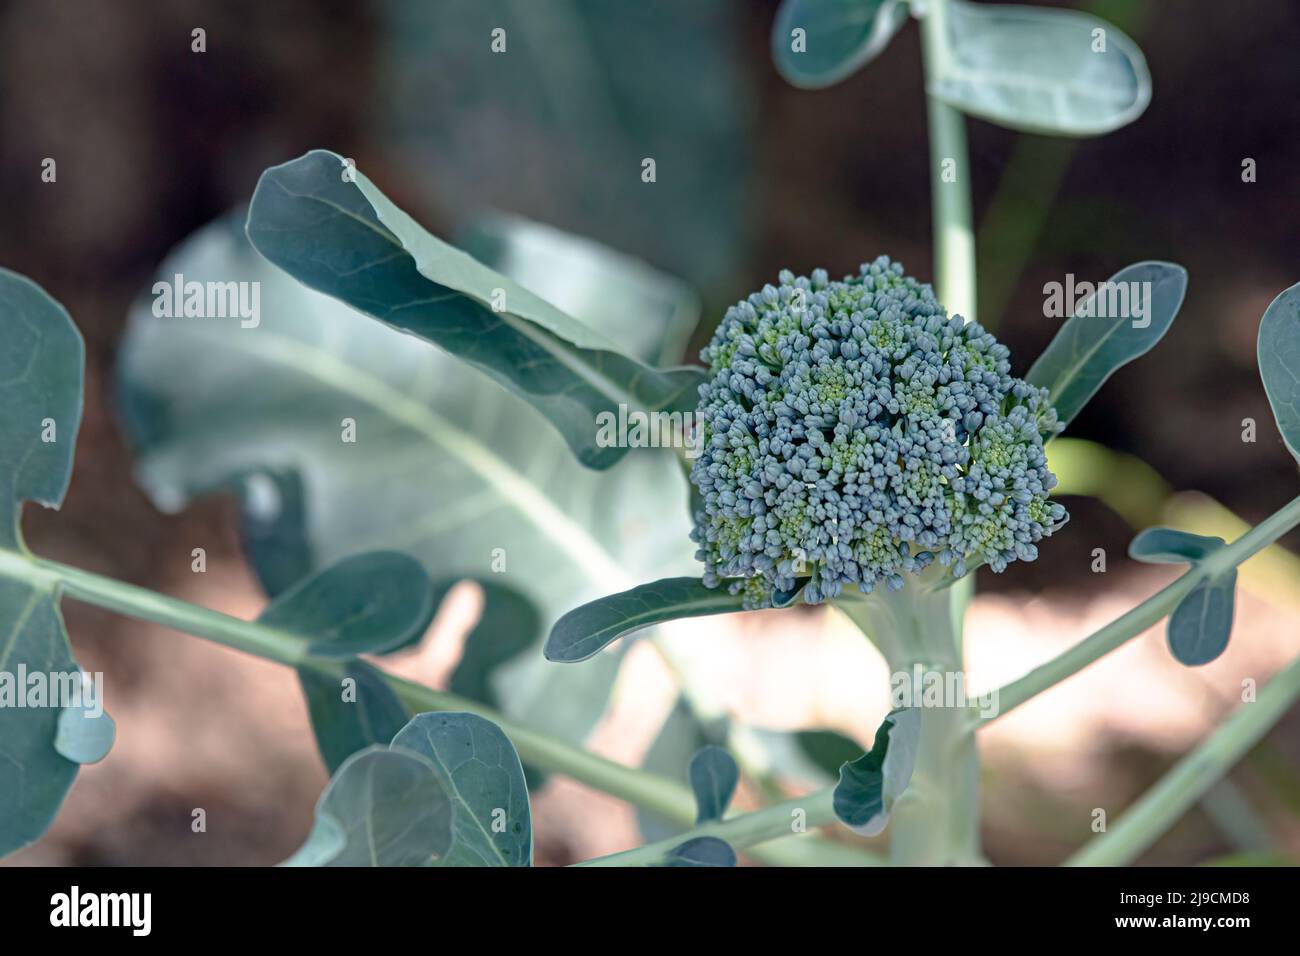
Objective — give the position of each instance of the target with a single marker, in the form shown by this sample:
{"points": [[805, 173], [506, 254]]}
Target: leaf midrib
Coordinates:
{"points": [[530, 502]]}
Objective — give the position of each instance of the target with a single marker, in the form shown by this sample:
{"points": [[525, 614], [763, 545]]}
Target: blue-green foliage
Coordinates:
{"points": [[1199, 628], [702, 851], [853, 432], [713, 774]]}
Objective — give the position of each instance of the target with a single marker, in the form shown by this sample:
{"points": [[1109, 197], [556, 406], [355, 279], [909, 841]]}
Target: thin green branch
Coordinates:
{"points": [[950, 178], [1134, 622], [747, 829], [1165, 803], [669, 799], [143, 604]]}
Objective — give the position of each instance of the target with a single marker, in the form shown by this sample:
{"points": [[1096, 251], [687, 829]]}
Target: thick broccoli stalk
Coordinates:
{"points": [[853, 433]]}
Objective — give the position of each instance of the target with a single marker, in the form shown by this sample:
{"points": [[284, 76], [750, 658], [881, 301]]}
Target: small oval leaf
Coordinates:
{"points": [[42, 360], [839, 37], [84, 735], [1200, 626], [364, 604], [1279, 364], [681, 735], [1039, 70], [713, 775], [1170, 546], [585, 630], [1124, 318], [702, 851]]}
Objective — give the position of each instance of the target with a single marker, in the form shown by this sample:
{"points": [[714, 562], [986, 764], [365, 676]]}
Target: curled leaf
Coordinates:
{"points": [[870, 785]]}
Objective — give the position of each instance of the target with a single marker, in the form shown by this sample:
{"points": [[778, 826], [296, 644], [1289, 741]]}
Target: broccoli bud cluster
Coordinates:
{"points": [[854, 433]]}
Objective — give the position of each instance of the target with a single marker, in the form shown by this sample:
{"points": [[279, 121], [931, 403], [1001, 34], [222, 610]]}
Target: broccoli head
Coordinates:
{"points": [[853, 433]]}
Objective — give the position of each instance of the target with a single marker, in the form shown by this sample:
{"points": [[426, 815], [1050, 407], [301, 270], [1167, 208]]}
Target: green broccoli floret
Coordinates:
{"points": [[856, 433]]}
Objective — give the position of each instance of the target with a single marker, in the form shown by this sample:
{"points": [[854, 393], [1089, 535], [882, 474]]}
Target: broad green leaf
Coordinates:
{"points": [[654, 323], [1170, 546], [365, 603], [482, 776], [330, 227], [447, 467], [1200, 626], [585, 630], [382, 807], [680, 736], [870, 785], [702, 851], [583, 278], [325, 842], [713, 775], [1279, 363], [1039, 70], [448, 791], [352, 711], [838, 37], [41, 365], [1123, 318]]}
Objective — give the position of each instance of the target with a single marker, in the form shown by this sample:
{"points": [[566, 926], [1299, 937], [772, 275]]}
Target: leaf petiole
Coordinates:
{"points": [[1134, 622]]}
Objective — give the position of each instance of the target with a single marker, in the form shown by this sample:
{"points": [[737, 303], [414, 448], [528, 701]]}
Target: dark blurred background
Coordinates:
{"points": [[153, 140]]}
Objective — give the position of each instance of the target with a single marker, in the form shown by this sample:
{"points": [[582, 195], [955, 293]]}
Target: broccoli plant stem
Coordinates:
{"points": [[954, 235], [937, 819], [740, 831], [918, 630], [1148, 819]]}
